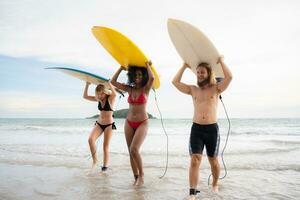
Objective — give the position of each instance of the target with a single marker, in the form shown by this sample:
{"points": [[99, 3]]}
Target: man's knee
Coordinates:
{"points": [[195, 160]]}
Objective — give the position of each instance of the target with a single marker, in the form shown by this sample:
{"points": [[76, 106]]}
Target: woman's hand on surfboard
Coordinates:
{"points": [[220, 59], [123, 68], [148, 63], [186, 65]]}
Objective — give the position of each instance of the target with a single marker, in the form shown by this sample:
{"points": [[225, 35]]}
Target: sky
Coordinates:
{"points": [[259, 39]]}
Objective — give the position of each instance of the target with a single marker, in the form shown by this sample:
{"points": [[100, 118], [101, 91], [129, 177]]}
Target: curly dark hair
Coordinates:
{"points": [[131, 75]]}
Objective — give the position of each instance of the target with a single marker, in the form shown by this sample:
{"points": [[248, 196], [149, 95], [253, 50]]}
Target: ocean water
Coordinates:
{"points": [[49, 159]]}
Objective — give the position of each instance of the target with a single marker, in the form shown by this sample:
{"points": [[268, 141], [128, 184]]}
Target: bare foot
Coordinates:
{"points": [[191, 197], [94, 166], [215, 188], [93, 169], [140, 181], [103, 170], [135, 182], [103, 173]]}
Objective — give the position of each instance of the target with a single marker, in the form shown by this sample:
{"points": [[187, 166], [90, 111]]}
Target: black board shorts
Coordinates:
{"points": [[204, 135]]}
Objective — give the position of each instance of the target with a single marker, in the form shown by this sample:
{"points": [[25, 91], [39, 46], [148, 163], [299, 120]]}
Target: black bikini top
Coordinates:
{"points": [[106, 106]]}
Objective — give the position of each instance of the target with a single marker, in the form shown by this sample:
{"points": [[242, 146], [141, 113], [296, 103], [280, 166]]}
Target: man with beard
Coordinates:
{"points": [[204, 131]]}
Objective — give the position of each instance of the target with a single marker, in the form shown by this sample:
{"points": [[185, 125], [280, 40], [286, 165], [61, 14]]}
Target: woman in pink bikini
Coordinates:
{"points": [[140, 82]]}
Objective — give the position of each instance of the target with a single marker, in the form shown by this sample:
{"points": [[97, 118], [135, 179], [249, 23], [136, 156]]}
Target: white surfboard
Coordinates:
{"points": [[193, 46]]}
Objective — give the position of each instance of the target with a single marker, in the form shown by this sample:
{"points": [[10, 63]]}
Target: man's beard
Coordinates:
{"points": [[203, 83]]}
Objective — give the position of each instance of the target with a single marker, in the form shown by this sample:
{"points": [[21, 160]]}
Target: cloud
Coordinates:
{"points": [[260, 41]]}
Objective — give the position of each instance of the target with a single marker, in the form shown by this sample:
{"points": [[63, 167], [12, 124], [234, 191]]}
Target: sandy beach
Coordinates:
{"points": [[49, 159]]}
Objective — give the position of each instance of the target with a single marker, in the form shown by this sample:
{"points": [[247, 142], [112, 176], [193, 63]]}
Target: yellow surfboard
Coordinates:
{"points": [[123, 49]]}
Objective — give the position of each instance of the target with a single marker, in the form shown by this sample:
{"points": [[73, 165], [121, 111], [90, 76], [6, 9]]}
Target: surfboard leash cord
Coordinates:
{"points": [[166, 134], [226, 141]]}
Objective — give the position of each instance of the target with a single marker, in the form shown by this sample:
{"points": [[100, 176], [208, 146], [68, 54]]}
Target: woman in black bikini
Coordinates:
{"points": [[105, 123]]}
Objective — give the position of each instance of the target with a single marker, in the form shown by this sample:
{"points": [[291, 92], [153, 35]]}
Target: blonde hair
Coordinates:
{"points": [[101, 88], [211, 74]]}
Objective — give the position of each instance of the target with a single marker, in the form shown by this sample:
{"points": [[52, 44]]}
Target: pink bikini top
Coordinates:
{"points": [[140, 100]]}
